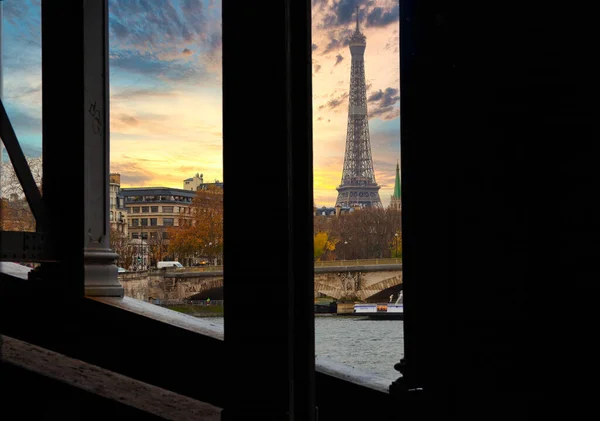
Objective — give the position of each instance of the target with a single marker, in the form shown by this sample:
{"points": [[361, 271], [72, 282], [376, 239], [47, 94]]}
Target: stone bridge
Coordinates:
{"points": [[341, 282]]}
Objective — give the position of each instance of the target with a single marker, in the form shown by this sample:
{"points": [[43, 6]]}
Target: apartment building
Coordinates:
{"points": [[150, 210], [118, 211]]}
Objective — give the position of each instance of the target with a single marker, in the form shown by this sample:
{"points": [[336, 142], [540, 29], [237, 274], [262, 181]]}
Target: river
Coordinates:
{"points": [[371, 346]]}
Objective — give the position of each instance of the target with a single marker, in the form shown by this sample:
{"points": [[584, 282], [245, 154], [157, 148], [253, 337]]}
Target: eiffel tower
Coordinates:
{"points": [[358, 186]]}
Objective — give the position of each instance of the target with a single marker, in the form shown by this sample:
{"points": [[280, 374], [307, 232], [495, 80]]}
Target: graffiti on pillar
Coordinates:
{"points": [[95, 113]]}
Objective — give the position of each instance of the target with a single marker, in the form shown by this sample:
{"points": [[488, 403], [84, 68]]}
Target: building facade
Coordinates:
{"points": [[194, 182], [118, 211], [151, 211], [333, 210]]}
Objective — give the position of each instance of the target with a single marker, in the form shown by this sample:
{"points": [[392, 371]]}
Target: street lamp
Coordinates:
{"points": [[396, 240], [345, 247]]}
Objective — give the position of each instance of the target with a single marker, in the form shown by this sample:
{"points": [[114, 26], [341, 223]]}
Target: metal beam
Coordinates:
{"points": [[279, 40], [32, 193], [19, 246]]}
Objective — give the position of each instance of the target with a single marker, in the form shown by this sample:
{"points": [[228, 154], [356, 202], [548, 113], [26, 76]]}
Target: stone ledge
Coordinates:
{"points": [[164, 315], [204, 327], [107, 384], [351, 374]]}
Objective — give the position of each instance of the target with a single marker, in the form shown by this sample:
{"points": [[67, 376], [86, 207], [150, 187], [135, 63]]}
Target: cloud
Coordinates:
{"points": [[317, 68], [338, 59], [24, 120], [139, 93], [337, 13], [384, 104], [140, 122], [314, 47], [24, 90], [150, 65], [382, 17], [160, 38], [335, 102], [337, 39], [131, 172], [150, 24], [128, 120], [385, 113]]}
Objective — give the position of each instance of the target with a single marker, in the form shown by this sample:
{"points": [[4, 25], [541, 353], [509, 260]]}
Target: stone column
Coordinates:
{"points": [[76, 149], [100, 270]]}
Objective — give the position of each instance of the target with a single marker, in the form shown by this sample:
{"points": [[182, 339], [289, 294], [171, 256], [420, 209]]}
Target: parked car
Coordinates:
{"points": [[120, 269]]}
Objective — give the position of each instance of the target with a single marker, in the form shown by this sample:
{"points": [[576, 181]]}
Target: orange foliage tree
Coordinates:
{"points": [[204, 235]]}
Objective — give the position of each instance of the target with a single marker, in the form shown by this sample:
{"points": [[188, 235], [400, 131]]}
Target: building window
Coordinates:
{"points": [[168, 222], [153, 234], [144, 222], [144, 236], [154, 209], [145, 209], [135, 222], [152, 222], [167, 209], [135, 235], [165, 235], [112, 216], [176, 209], [135, 210]]}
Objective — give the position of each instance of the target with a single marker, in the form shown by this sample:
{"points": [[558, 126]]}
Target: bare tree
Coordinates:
{"points": [[363, 234], [119, 243], [157, 246], [15, 214]]}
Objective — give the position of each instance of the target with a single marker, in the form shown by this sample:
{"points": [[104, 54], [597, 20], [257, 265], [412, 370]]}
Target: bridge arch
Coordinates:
{"points": [[214, 294], [357, 284], [194, 290]]}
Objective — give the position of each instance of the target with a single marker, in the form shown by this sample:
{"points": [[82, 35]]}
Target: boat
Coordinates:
{"points": [[329, 308], [381, 311]]}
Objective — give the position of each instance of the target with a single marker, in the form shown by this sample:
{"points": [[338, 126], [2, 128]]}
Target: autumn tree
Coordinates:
{"points": [[119, 243], [157, 246], [204, 235], [323, 244], [15, 215], [396, 246]]}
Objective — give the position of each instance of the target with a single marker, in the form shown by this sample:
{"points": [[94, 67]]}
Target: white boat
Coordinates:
{"points": [[382, 310]]}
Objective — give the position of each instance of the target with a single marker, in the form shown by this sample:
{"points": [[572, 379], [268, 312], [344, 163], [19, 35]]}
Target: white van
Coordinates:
{"points": [[161, 265]]}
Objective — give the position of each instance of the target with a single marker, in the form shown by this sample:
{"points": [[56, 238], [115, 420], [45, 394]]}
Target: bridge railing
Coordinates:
{"points": [[358, 262], [328, 263], [187, 302]]}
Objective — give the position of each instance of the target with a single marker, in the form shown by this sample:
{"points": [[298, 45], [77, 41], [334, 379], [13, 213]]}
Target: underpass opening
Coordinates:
{"points": [[213, 294]]}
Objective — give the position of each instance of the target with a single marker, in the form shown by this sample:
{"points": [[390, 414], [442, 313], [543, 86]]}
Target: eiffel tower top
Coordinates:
{"points": [[358, 38]]}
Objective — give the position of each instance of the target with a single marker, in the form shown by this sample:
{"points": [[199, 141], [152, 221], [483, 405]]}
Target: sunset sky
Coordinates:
{"points": [[165, 64]]}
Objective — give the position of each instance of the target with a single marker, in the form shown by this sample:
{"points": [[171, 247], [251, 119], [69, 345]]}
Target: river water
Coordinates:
{"points": [[371, 346]]}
